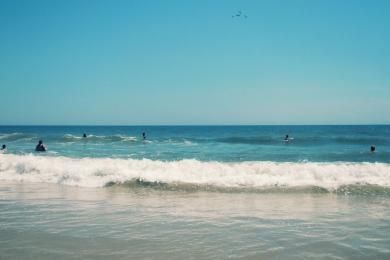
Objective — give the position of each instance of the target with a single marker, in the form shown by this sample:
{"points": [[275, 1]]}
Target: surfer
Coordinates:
{"points": [[40, 147], [372, 148], [144, 135], [84, 135], [3, 148]]}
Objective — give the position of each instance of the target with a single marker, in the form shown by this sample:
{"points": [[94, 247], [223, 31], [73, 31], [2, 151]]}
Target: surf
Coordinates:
{"points": [[100, 172]]}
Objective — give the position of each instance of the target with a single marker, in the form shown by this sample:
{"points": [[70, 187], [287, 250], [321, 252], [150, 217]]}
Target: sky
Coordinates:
{"points": [[190, 62]]}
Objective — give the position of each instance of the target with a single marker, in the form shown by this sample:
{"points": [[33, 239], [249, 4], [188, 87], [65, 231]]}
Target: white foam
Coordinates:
{"points": [[186, 142], [96, 172], [72, 137], [127, 138]]}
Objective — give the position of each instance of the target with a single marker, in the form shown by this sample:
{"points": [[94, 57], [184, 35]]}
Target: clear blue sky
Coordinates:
{"points": [[190, 62]]}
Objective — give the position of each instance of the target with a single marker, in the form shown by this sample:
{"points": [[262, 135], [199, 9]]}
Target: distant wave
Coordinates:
{"points": [[361, 140], [179, 141], [16, 136], [98, 138], [307, 140], [100, 172], [248, 140]]}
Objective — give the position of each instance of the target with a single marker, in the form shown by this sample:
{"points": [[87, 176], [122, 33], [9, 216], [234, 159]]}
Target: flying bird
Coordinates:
{"points": [[239, 14]]}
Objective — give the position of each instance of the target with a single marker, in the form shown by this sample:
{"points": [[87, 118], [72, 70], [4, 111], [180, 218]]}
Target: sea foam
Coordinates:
{"points": [[98, 172]]}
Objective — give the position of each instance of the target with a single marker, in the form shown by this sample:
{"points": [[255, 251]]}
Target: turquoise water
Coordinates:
{"points": [[207, 143], [198, 192]]}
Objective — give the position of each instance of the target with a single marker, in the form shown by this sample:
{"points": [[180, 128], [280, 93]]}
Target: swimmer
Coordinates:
{"points": [[3, 148], [144, 135], [372, 148], [40, 147], [84, 135]]}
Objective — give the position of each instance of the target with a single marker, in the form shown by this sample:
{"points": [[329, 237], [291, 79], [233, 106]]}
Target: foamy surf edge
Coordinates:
{"points": [[100, 172]]}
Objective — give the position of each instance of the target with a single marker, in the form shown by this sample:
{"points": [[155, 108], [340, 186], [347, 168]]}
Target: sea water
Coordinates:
{"points": [[195, 192]]}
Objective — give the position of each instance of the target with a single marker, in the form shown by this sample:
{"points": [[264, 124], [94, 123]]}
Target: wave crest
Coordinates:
{"points": [[99, 172]]}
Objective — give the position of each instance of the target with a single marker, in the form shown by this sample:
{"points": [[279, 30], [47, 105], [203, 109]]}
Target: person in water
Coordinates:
{"points": [[286, 138], [84, 135], [3, 148], [40, 147], [144, 135], [372, 148]]}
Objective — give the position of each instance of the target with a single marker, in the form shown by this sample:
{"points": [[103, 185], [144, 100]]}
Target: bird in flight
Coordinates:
{"points": [[239, 14]]}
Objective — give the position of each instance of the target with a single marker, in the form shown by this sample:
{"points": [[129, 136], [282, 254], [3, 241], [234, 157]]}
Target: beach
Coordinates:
{"points": [[49, 221], [195, 192]]}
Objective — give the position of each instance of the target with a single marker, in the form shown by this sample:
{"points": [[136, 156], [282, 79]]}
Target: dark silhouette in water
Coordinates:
{"points": [[144, 135], [40, 147], [286, 138], [84, 135], [3, 148], [372, 148]]}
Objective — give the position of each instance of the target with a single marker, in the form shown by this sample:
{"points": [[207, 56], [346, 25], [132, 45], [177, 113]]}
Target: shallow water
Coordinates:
{"points": [[49, 221]]}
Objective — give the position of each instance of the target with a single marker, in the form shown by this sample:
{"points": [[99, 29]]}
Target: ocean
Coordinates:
{"points": [[195, 192]]}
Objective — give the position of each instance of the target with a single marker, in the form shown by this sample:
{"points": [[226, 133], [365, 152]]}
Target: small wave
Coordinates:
{"points": [[360, 140], [16, 136], [187, 142], [306, 140], [189, 187], [179, 141], [98, 172], [98, 138], [69, 137], [363, 189], [248, 140]]}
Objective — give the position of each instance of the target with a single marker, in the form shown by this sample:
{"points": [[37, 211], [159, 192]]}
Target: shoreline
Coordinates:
{"points": [[48, 221]]}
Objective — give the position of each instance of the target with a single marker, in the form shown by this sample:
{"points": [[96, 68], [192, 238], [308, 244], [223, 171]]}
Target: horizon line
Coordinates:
{"points": [[357, 124]]}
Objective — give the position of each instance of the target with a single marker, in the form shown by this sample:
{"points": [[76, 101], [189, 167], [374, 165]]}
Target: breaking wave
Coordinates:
{"points": [[101, 172]]}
